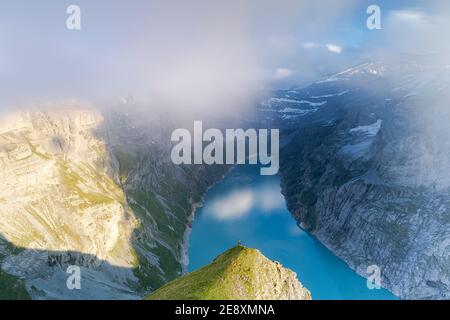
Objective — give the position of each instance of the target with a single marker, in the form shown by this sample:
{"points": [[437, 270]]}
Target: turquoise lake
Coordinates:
{"points": [[248, 207]]}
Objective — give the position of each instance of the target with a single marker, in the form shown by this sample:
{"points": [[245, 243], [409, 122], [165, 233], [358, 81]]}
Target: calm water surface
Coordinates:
{"points": [[248, 207]]}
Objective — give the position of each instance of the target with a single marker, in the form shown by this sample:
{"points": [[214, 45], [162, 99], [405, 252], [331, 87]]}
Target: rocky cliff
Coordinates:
{"points": [[368, 171], [94, 189], [238, 274]]}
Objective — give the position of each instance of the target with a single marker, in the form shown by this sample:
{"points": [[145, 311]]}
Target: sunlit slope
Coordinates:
{"points": [[80, 186], [239, 273]]}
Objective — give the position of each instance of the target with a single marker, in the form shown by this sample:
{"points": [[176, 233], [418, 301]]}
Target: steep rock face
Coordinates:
{"points": [[96, 190], [238, 274], [368, 174], [57, 196]]}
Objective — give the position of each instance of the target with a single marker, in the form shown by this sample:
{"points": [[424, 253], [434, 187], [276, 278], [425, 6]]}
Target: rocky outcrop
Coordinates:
{"points": [[273, 281]]}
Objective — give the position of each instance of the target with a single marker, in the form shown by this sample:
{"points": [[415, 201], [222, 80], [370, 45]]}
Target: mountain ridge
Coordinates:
{"points": [[239, 273]]}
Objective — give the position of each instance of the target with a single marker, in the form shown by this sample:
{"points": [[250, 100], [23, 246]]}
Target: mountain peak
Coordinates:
{"points": [[368, 68], [240, 273]]}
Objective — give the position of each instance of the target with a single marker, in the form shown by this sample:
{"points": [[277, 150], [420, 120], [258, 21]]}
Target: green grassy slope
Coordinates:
{"points": [[239, 273], [211, 282]]}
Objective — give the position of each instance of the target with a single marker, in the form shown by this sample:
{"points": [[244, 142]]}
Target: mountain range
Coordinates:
{"points": [[365, 168]]}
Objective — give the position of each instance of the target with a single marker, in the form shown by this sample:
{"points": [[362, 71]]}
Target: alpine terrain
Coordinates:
{"points": [[94, 189], [365, 167]]}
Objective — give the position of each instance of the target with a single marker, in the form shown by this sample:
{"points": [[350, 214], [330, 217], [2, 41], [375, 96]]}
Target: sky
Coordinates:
{"points": [[199, 53]]}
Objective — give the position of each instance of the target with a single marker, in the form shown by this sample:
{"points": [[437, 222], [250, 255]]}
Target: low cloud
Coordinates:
{"points": [[196, 57], [184, 58], [334, 48], [266, 199], [329, 46], [408, 15], [416, 32], [311, 45], [282, 73], [233, 206]]}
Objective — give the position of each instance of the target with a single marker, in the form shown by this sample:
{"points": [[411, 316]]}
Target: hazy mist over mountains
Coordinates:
{"points": [[86, 116], [202, 55]]}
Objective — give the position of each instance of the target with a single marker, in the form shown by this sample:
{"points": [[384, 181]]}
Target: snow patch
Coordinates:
{"points": [[313, 104], [297, 111], [371, 129], [330, 95]]}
